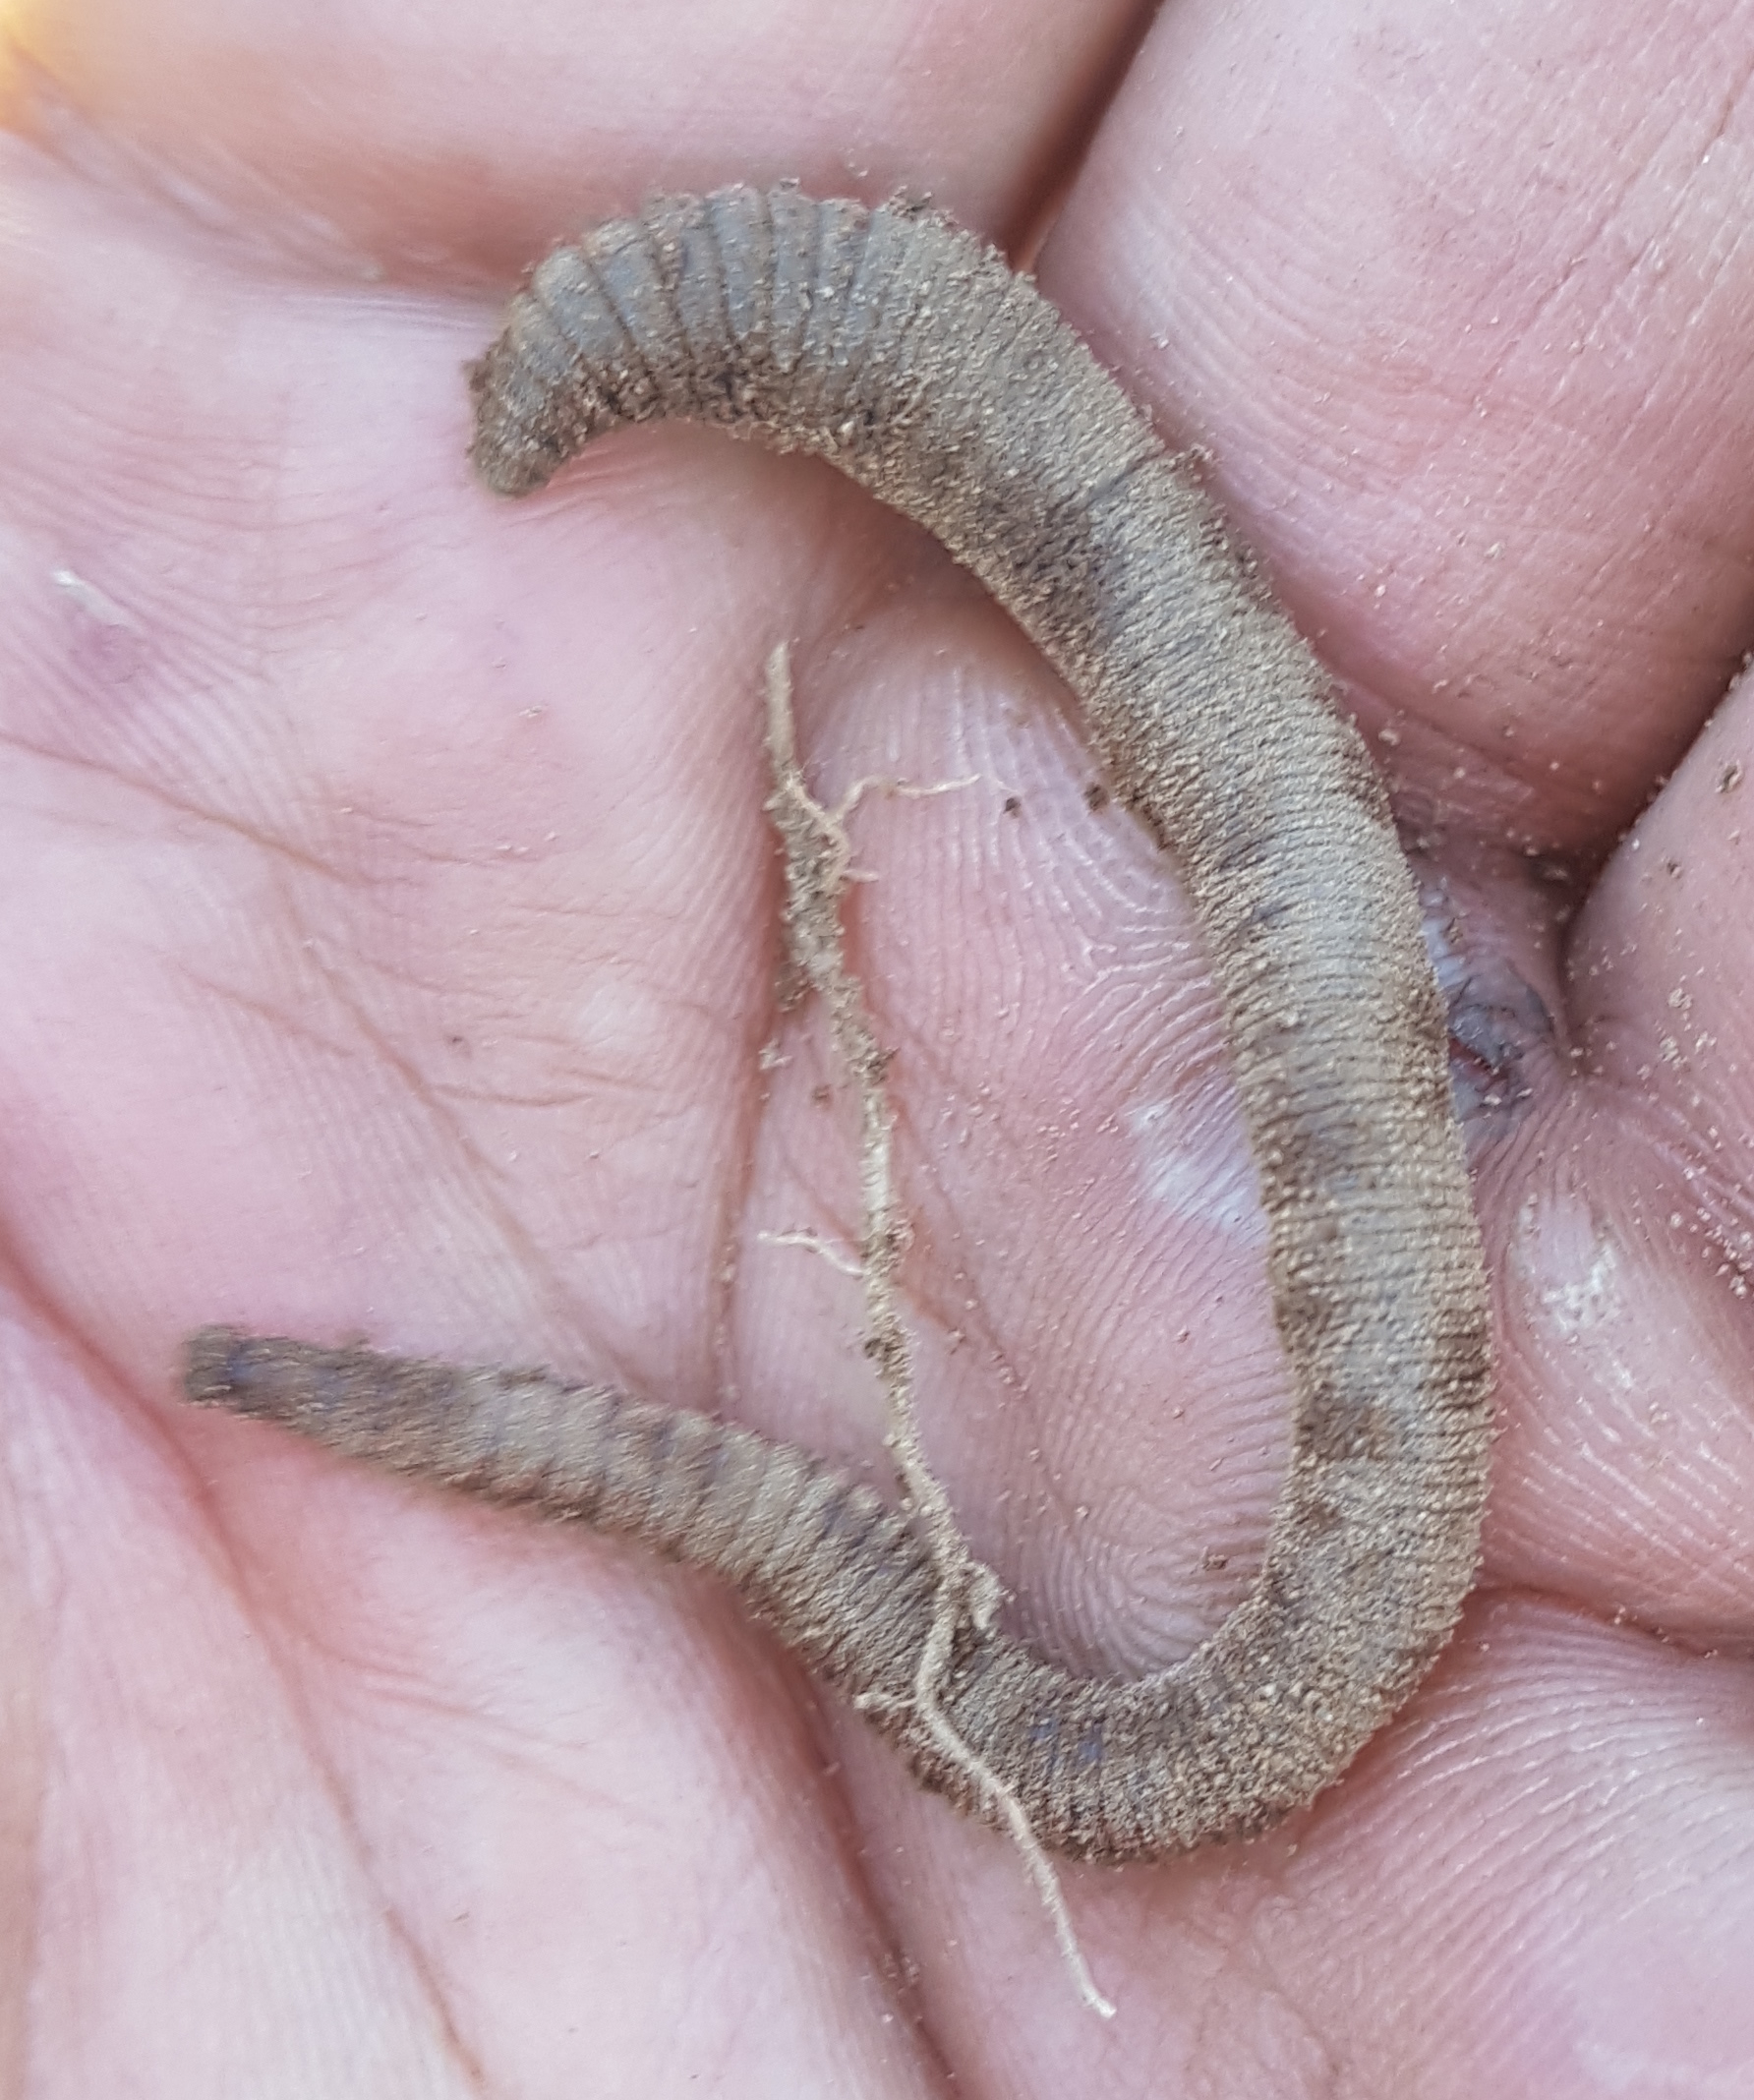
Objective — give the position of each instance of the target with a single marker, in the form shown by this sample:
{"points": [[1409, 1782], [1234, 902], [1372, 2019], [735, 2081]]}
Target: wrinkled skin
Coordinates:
{"points": [[388, 941]]}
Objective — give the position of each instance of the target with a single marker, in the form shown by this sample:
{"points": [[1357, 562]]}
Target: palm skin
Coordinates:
{"points": [[389, 939]]}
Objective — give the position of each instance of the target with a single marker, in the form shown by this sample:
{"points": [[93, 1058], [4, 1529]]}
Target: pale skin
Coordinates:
{"points": [[389, 929]]}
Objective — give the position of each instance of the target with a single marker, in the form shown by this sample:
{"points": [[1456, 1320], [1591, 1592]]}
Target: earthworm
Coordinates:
{"points": [[907, 353]]}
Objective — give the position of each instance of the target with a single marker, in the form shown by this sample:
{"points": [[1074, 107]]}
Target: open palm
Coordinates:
{"points": [[389, 939]]}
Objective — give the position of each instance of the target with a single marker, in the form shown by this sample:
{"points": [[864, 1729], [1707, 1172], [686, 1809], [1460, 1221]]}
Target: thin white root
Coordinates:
{"points": [[898, 790], [818, 870], [816, 1245]]}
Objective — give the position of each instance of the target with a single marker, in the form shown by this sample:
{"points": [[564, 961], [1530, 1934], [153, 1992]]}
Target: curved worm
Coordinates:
{"points": [[907, 354]]}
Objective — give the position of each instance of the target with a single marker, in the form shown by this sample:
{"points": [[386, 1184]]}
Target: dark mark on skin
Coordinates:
{"points": [[1492, 1041], [1504, 1042]]}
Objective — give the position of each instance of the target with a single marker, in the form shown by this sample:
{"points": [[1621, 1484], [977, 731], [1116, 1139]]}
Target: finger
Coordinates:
{"points": [[1629, 1460], [1473, 368], [1555, 1901], [434, 139]]}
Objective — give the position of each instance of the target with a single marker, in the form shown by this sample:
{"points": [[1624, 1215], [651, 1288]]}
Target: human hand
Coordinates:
{"points": [[392, 934]]}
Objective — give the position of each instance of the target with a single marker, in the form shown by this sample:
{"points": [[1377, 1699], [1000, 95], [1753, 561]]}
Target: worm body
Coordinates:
{"points": [[901, 350]]}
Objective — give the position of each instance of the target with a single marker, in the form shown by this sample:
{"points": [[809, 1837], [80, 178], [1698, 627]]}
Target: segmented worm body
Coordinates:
{"points": [[898, 348]]}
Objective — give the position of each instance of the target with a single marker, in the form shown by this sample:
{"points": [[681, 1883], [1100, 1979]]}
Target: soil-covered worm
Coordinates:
{"points": [[904, 351]]}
